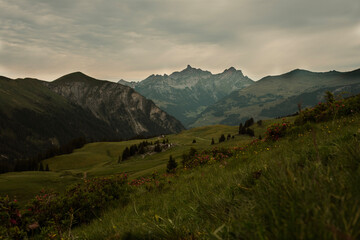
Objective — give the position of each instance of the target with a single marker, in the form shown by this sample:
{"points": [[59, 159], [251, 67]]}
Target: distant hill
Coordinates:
{"points": [[275, 96], [37, 115], [187, 93]]}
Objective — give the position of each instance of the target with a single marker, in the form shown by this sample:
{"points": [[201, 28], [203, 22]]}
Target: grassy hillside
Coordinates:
{"points": [[299, 182], [304, 186], [101, 159], [34, 119]]}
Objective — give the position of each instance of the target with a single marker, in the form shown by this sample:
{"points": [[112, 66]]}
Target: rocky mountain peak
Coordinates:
{"points": [[231, 69], [75, 77]]}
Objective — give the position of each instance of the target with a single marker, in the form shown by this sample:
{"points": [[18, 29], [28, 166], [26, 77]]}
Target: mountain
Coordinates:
{"points": [[275, 96], [34, 119], [37, 115], [187, 93], [131, 84], [127, 112]]}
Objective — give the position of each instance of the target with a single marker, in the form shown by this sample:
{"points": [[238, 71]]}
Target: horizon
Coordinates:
{"points": [[132, 80], [132, 40]]}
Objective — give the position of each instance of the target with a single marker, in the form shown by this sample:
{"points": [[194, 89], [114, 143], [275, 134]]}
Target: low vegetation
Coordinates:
{"points": [[300, 181]]}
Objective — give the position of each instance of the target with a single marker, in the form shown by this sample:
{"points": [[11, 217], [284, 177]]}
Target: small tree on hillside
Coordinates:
{"points": [[250, 132], [171, 166], [133, 150], [329, 97], [240, 128], [157, 148], [141, 148], [249, 122], [222, 138], [47, 168], [126, 154], [41, 167], [212, 141]]}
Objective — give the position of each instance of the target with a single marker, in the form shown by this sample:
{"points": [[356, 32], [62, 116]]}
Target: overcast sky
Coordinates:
{"points": [[132, 39]]}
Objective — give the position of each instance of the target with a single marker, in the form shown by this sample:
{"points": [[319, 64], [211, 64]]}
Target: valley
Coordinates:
{"points": [[242, 187], [101, 159]]}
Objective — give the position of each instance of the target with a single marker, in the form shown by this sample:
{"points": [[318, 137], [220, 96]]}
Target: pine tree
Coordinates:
{"points": [[240, 128], [41, 167], [250, 132], [157, 148], [212, 141], [171, 166], [249, 122], [222, 138], [47, 168], [133, 150], [126, 154], [141, 148]]}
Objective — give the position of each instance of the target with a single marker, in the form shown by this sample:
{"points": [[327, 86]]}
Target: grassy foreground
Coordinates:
{"points": [[303, 186], [101, 159]]}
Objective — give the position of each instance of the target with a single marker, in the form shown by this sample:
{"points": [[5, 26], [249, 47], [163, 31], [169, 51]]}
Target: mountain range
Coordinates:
{"points": [[187, 93], [276, 96], [199, 98], [37, 115]]}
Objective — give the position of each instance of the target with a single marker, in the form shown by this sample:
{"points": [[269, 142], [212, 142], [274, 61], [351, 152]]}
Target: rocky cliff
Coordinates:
{"points": [[127, 112]]}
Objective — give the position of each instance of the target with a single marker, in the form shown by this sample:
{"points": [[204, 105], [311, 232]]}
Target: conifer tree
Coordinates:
{"points": [[157, 148], [41, 167], [240, 128], [172, 164], [126, 154], [222, 138]]}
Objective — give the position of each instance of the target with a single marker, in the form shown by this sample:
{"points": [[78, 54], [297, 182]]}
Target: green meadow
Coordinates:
{"points": [[101, 159], [303, 186]]}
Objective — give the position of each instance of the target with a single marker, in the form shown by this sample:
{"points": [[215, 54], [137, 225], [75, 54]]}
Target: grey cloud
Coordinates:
{"points": [[132, 39]]}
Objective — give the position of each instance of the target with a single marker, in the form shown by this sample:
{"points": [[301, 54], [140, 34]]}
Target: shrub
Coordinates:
{"points": [[54, 214], [11, 224], [188, 156], [277, 130], [208, 156], [330, 110]]}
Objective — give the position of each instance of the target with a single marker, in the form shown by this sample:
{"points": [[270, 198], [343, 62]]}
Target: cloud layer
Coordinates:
{"points": [[132, 39]]}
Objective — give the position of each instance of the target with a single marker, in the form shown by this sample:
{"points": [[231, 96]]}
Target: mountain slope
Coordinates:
{"points": [[33, 119], [36, 115], [275, 96], [186, 93], [124, 110]]}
